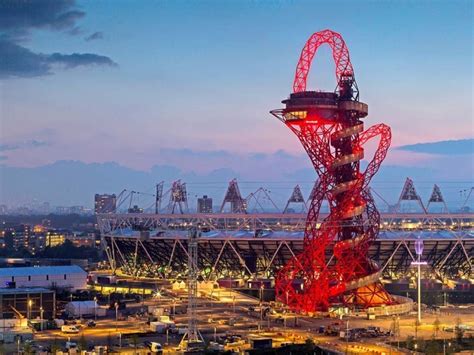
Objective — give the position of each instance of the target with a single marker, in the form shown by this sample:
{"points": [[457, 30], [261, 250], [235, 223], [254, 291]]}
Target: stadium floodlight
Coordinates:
{"points": [[418, 263]]}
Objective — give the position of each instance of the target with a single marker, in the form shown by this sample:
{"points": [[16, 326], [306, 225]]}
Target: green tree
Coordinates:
{"points": [[417, 325], [432, 348], [27, 349], [309, 345], [82, 345], [459, 331], [436, 326], [109, 341], [54, 346], [135, 342], [395, 326]]}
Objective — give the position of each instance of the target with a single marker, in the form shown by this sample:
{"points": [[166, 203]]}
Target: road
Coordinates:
{"points": [[230, 315]]}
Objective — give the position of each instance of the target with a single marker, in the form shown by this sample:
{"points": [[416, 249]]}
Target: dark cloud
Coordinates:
{"points": [[451, 147], [19, 18], [78, 59], [18, 61], [94, 36], [34, 14], [22, 145]]}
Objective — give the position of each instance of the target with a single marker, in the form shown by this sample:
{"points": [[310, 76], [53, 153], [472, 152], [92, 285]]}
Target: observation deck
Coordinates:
{"points": [[318, 107]]}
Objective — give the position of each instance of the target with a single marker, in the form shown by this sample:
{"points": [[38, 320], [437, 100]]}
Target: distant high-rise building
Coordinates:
{"points": [[3, 209], [54, 238], [105, 203], [17, 236], [204, 204]]}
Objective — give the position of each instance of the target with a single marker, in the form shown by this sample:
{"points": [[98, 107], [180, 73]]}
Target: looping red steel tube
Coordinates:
{"points": [[340, 53], [334, 266]]}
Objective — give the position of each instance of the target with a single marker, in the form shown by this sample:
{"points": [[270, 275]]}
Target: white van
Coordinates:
{"points": [[70, 329]]}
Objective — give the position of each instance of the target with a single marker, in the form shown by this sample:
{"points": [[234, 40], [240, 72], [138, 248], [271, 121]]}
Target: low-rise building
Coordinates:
{"points": [[69, 277], [28, 303]]}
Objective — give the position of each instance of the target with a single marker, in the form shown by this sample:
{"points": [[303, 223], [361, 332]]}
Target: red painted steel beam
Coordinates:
{"points": [[330, 128]]}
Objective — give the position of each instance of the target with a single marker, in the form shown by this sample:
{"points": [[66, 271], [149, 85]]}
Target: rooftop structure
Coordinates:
{"points": [[70, 277]]}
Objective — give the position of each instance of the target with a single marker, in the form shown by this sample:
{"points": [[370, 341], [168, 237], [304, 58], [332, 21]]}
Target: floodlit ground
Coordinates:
{"points": [[229, 313]]}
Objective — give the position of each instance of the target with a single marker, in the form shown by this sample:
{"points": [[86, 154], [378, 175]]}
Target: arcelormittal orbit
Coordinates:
{"points": [[334, 267]]}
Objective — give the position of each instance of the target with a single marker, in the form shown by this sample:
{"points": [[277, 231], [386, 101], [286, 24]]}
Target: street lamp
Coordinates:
{"points": [[41, 315], [261, 306], [418, 263], [116, 316], [398, 332], [347, 331], [95, 308], [30, 304]]}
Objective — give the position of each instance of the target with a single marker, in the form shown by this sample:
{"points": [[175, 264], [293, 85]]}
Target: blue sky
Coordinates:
{"points": [[160, 78]]}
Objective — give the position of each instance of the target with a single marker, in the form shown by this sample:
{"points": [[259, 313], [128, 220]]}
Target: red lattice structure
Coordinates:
{"points": [[334, 267]]}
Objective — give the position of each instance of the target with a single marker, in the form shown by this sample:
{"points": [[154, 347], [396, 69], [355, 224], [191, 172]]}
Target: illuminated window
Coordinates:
{"points": [[296, 115]]}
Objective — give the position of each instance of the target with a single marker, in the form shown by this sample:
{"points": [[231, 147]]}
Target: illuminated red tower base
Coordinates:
{"points": [[334, 266]]}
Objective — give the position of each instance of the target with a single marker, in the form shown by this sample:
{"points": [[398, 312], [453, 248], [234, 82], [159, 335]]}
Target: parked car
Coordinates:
{"points": [[70, 329]]}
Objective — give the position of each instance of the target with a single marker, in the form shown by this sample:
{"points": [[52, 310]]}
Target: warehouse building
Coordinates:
{"points": [[70, 277], [27, 303]]}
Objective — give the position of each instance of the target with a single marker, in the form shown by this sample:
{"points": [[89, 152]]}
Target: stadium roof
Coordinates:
{"points": [[20, 290], [269, 234]]}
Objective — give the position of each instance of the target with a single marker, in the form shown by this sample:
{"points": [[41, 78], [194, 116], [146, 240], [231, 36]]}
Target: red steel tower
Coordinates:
{"points": [[334, 266]]}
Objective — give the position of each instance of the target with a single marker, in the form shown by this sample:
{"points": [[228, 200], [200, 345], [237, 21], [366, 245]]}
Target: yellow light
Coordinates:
{"points": [[296, 115]]}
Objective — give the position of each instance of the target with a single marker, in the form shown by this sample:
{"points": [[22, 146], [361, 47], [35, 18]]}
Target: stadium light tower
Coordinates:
{"points": [[418, 263], [330, 128]]}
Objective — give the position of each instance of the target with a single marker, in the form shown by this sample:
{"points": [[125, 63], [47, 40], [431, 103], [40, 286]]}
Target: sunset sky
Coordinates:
{"points": [[191, 83]]}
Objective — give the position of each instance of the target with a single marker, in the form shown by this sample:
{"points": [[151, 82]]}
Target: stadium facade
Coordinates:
{"points": [[255, 246]]}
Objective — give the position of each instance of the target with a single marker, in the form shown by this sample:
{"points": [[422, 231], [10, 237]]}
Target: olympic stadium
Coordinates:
{"points": [[246, 249], [250, 254], [253, 246]]}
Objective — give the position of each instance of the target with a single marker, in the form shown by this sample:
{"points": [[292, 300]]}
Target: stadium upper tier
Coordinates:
{"points": [[259, 244], [272, 221], [241, 252], [288, 235]]}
